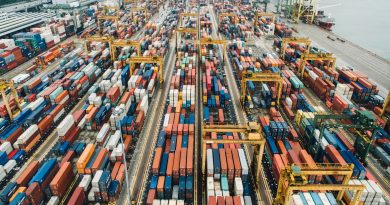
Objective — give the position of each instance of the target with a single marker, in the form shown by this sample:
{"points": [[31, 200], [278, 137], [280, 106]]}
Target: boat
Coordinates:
{"points": [[324, 21]]}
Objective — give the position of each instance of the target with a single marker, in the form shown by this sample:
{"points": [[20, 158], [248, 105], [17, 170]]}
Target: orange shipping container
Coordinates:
{"points": [[99, 160], [29, 172], [156, 161], [190, 153], [62, 180], [183, 161], [171, 158], [160, 184], [115, 170], [176, 166], [84, 158], [45, 124], [237, 164]]}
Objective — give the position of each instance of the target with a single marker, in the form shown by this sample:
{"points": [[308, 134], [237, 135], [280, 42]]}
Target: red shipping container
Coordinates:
{"points": [[78, 197], [62, 180], [28, 173], [34, 193], [68, 157]]}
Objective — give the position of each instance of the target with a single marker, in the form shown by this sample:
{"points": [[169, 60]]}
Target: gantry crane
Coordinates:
{"points": [[181, 29], [254, 136], [6, 85], [223, 15], [139, 9], [331, 61], [207, 41], [264, 2], [304, 8], [133, 3], [105, 39], [286, 41], [105, 16], [261, 77], [115, 18], [295, 178], [385, 110], [183, 15], [386, 107], [362, 142], [123, 43], [153, 59], [263, 14], [40, 62]]}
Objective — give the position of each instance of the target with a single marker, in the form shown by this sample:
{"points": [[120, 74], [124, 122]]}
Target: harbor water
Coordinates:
{"points": [[365, 23]]}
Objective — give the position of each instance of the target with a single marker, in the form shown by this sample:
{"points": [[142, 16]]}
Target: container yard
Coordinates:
{"points": [[189, 102]]}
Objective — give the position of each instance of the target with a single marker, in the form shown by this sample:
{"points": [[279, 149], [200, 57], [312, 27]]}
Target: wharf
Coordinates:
{"points": [[348, 53]]}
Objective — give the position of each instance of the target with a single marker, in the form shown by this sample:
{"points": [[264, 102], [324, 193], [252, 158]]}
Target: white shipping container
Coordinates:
{"points": [[34, 105], [210, 163], [85, 182], [210, 183], [248, 200], [164, 202], [103, 133], [166, 120], [156, 202], [296, 200], [225, 193], [27, 134], [3, 174], [95, 180], [54, 200], [180, 202], [378, 191], [2, 171], [82, 122], [91, 194], [145, 104], [324, 199], [114, 139], [238, 187], [370, 190], [308, 198], [218, 193], [175, 192], [9, 166], [65, 125], [172, 202], [244, 162], [6, 147]]}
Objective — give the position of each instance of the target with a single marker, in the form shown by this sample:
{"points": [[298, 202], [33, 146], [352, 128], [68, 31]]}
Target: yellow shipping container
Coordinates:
{"points": [[89, 108], [19, 190], [84, 158]]}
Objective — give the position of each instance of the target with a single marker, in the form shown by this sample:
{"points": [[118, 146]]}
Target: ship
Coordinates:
{"points": [[324, 21]]}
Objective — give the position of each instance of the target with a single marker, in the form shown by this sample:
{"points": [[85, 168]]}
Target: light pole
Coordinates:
{"points": [[126, 170]]}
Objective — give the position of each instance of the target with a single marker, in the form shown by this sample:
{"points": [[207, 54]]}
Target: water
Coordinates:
{"points": [[363, 22]]}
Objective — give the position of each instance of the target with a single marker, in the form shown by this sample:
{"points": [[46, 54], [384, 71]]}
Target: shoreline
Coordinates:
{"points": [[354, 44]]}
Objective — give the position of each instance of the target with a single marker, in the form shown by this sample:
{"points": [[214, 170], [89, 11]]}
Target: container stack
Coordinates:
{"points": [[313, 198], [372, 194], [363, 88], [215, 94], [282, 30], [10, 55], [47, 103], [172, 167]]}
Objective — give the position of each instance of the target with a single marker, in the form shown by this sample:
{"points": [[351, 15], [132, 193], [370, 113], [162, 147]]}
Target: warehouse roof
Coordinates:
{"points": [[19, 21]]}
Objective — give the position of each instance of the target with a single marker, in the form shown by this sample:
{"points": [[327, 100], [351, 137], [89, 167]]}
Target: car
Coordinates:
{"points": [[331, 38]]}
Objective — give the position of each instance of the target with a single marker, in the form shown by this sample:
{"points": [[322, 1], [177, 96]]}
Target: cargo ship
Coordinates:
{"points": [[324, 21]]}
